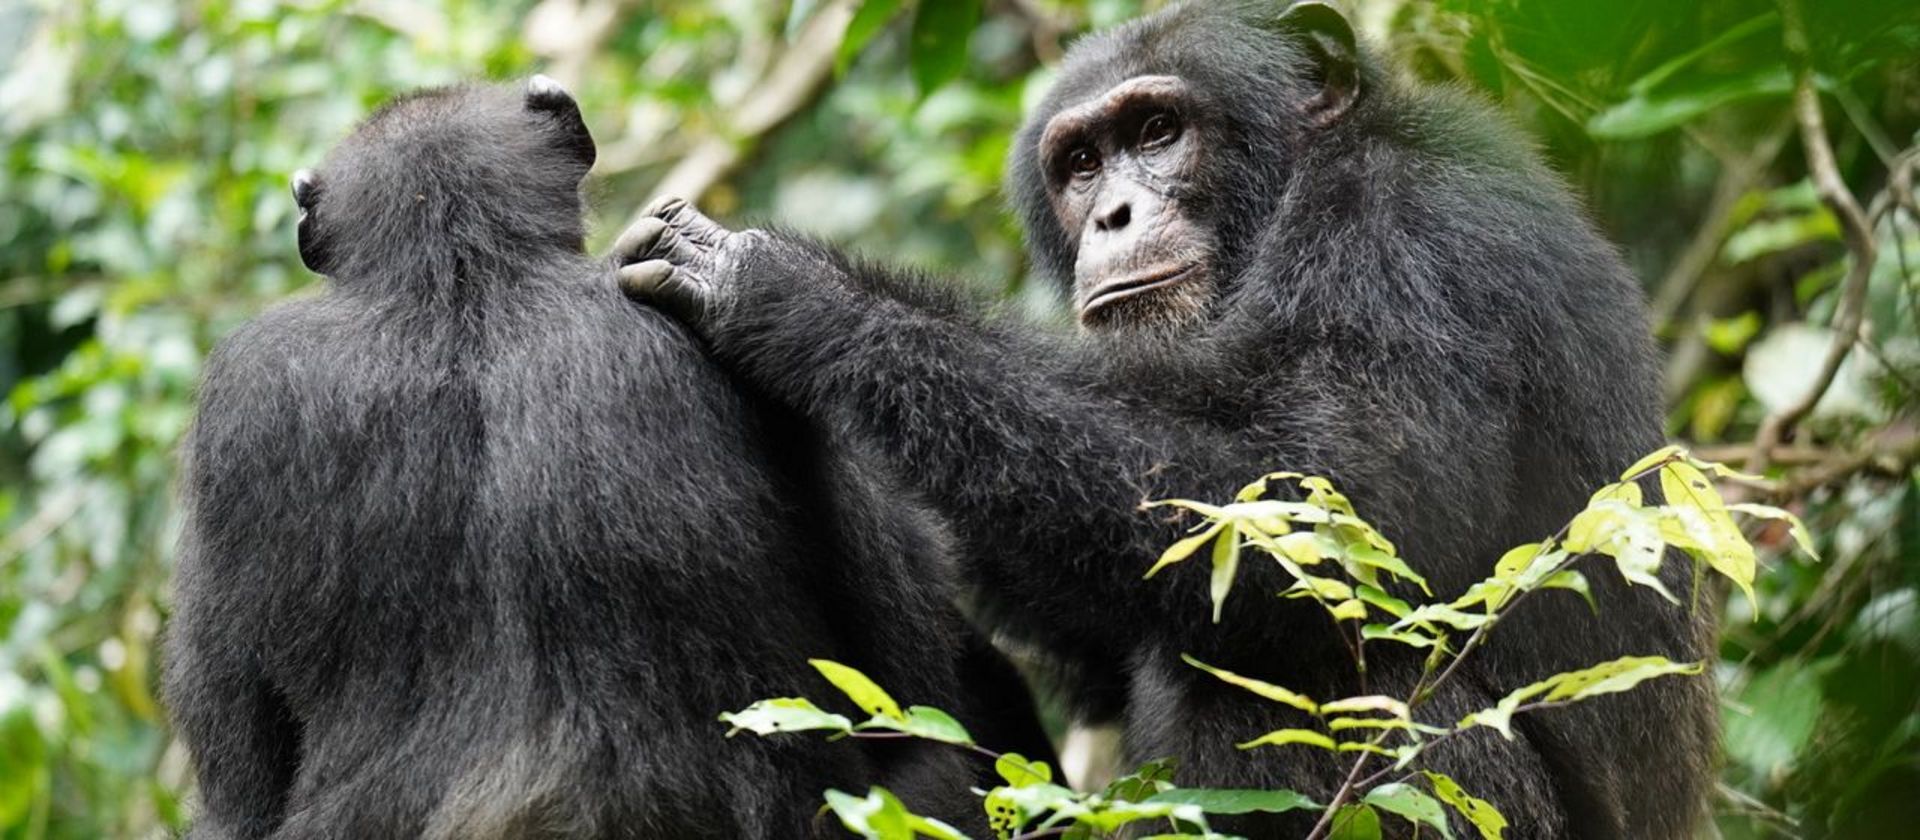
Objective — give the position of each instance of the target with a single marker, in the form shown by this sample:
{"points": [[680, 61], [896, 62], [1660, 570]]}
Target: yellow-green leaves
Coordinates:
{"points": [[784, 714], [1411, 803], [1185, 548], [1267, 690], [881, 816], [862, 691], [1606, 678], [1226, 562], [1283, 737], [1296, 535], [1479, 812]]}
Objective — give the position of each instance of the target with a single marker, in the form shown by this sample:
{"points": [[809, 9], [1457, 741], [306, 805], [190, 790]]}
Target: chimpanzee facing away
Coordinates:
{"points": [[476, 548], [1281, 258]]}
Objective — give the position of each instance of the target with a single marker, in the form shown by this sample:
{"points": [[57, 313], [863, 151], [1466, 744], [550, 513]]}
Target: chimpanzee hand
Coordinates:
{"points": [[680, 260]]}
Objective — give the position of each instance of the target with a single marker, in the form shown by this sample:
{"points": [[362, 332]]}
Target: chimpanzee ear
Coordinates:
{"points": [[314, 253], [1328, 38], [544, 95]]}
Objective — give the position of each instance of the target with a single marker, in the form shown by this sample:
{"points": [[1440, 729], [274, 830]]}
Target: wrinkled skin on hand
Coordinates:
{"points": [[683, 262]]}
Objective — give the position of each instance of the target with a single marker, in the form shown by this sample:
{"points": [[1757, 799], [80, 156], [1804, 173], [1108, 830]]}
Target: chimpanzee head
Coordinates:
{"points": [[446, 180], [1149, 172]]}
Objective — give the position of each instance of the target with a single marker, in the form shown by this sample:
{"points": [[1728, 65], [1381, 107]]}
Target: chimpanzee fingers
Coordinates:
{"points": [[638, 241], [677, 291], [688, 221]]}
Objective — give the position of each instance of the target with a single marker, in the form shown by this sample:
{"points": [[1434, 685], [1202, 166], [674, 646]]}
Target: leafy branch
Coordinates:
{"points": [[1346, 567]]}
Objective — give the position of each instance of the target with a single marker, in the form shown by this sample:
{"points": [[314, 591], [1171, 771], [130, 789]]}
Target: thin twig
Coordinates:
{"points": [[1853, 223], [791, 82]]}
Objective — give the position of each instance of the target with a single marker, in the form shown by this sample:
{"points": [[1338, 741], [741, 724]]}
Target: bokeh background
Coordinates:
{"points": [[145, 147]]}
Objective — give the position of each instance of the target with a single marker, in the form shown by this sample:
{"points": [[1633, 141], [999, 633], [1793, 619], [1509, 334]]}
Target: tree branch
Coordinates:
{"points": [[790, 83], [1853, 223]]}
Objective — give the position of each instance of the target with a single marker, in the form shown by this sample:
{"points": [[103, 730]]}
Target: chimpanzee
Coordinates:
{"points": [[476, 548], [1281, 258]]}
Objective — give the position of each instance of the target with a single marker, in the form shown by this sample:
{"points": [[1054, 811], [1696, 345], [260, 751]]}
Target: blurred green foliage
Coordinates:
{"points": [[144, 213]]}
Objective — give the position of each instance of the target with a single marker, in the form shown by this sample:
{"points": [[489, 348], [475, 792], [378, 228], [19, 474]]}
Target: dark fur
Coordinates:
{"points": [[1410, 303], [478, 549]]}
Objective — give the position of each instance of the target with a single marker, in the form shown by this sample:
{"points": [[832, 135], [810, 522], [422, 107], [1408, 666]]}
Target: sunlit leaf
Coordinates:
{"points": [[1264, 689], [1020, 771], [1226, 563], [1653, 459], [862, 691], [784, 714], [1480, 813], [1352, 609], [1355, 822], [934, 724], [1365, 703], [1283, 737], [1387, 603], [1185, 548], [1412, 803], [1412, 637], [1801, 536], [1236, 801], [880, 816]]}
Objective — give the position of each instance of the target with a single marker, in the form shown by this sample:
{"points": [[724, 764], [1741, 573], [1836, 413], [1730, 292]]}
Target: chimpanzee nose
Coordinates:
{"points": [[1114, 218]]}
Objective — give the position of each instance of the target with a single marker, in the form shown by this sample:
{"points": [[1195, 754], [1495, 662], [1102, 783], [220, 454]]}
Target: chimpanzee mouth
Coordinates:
{"points": [[1139, 284]]}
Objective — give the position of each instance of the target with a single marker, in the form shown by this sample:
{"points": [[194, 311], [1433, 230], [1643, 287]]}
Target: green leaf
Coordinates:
{"points": [[1355, 822], [1697, 505], [1633, 537], [880, 816], [935, 725], [1366, 703], [867, 22], [1481, 813], [940, 33], [1644, 116], [1264, 689], [1411, 803], [1235, 801], [1570, 579], [1372, 556], [1151, 778], [1185, 548], [1772, 235], [1283, 737], [1259, 486], [1323, 588], [1606, 678], [862, 691], [1411, 637], [1428, 615], [1801, 536], [784, 714], [1715, 46], [1341, 724], [1226, 563], [1656, 458], [1349, 610], [1387, 603], [1020, 771], [1774, 719]]}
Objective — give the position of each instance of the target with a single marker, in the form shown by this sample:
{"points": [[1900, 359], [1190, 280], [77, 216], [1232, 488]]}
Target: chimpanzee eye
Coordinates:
{"points": [[1083, 161], [1159, 130]]}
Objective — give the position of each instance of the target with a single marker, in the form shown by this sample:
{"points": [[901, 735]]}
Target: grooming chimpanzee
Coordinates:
{"points": [[1281, 258], [476, 548]]}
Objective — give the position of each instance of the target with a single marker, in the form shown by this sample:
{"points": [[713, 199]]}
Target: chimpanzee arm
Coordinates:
{"points": [[1039, 460], [245, 741]]}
